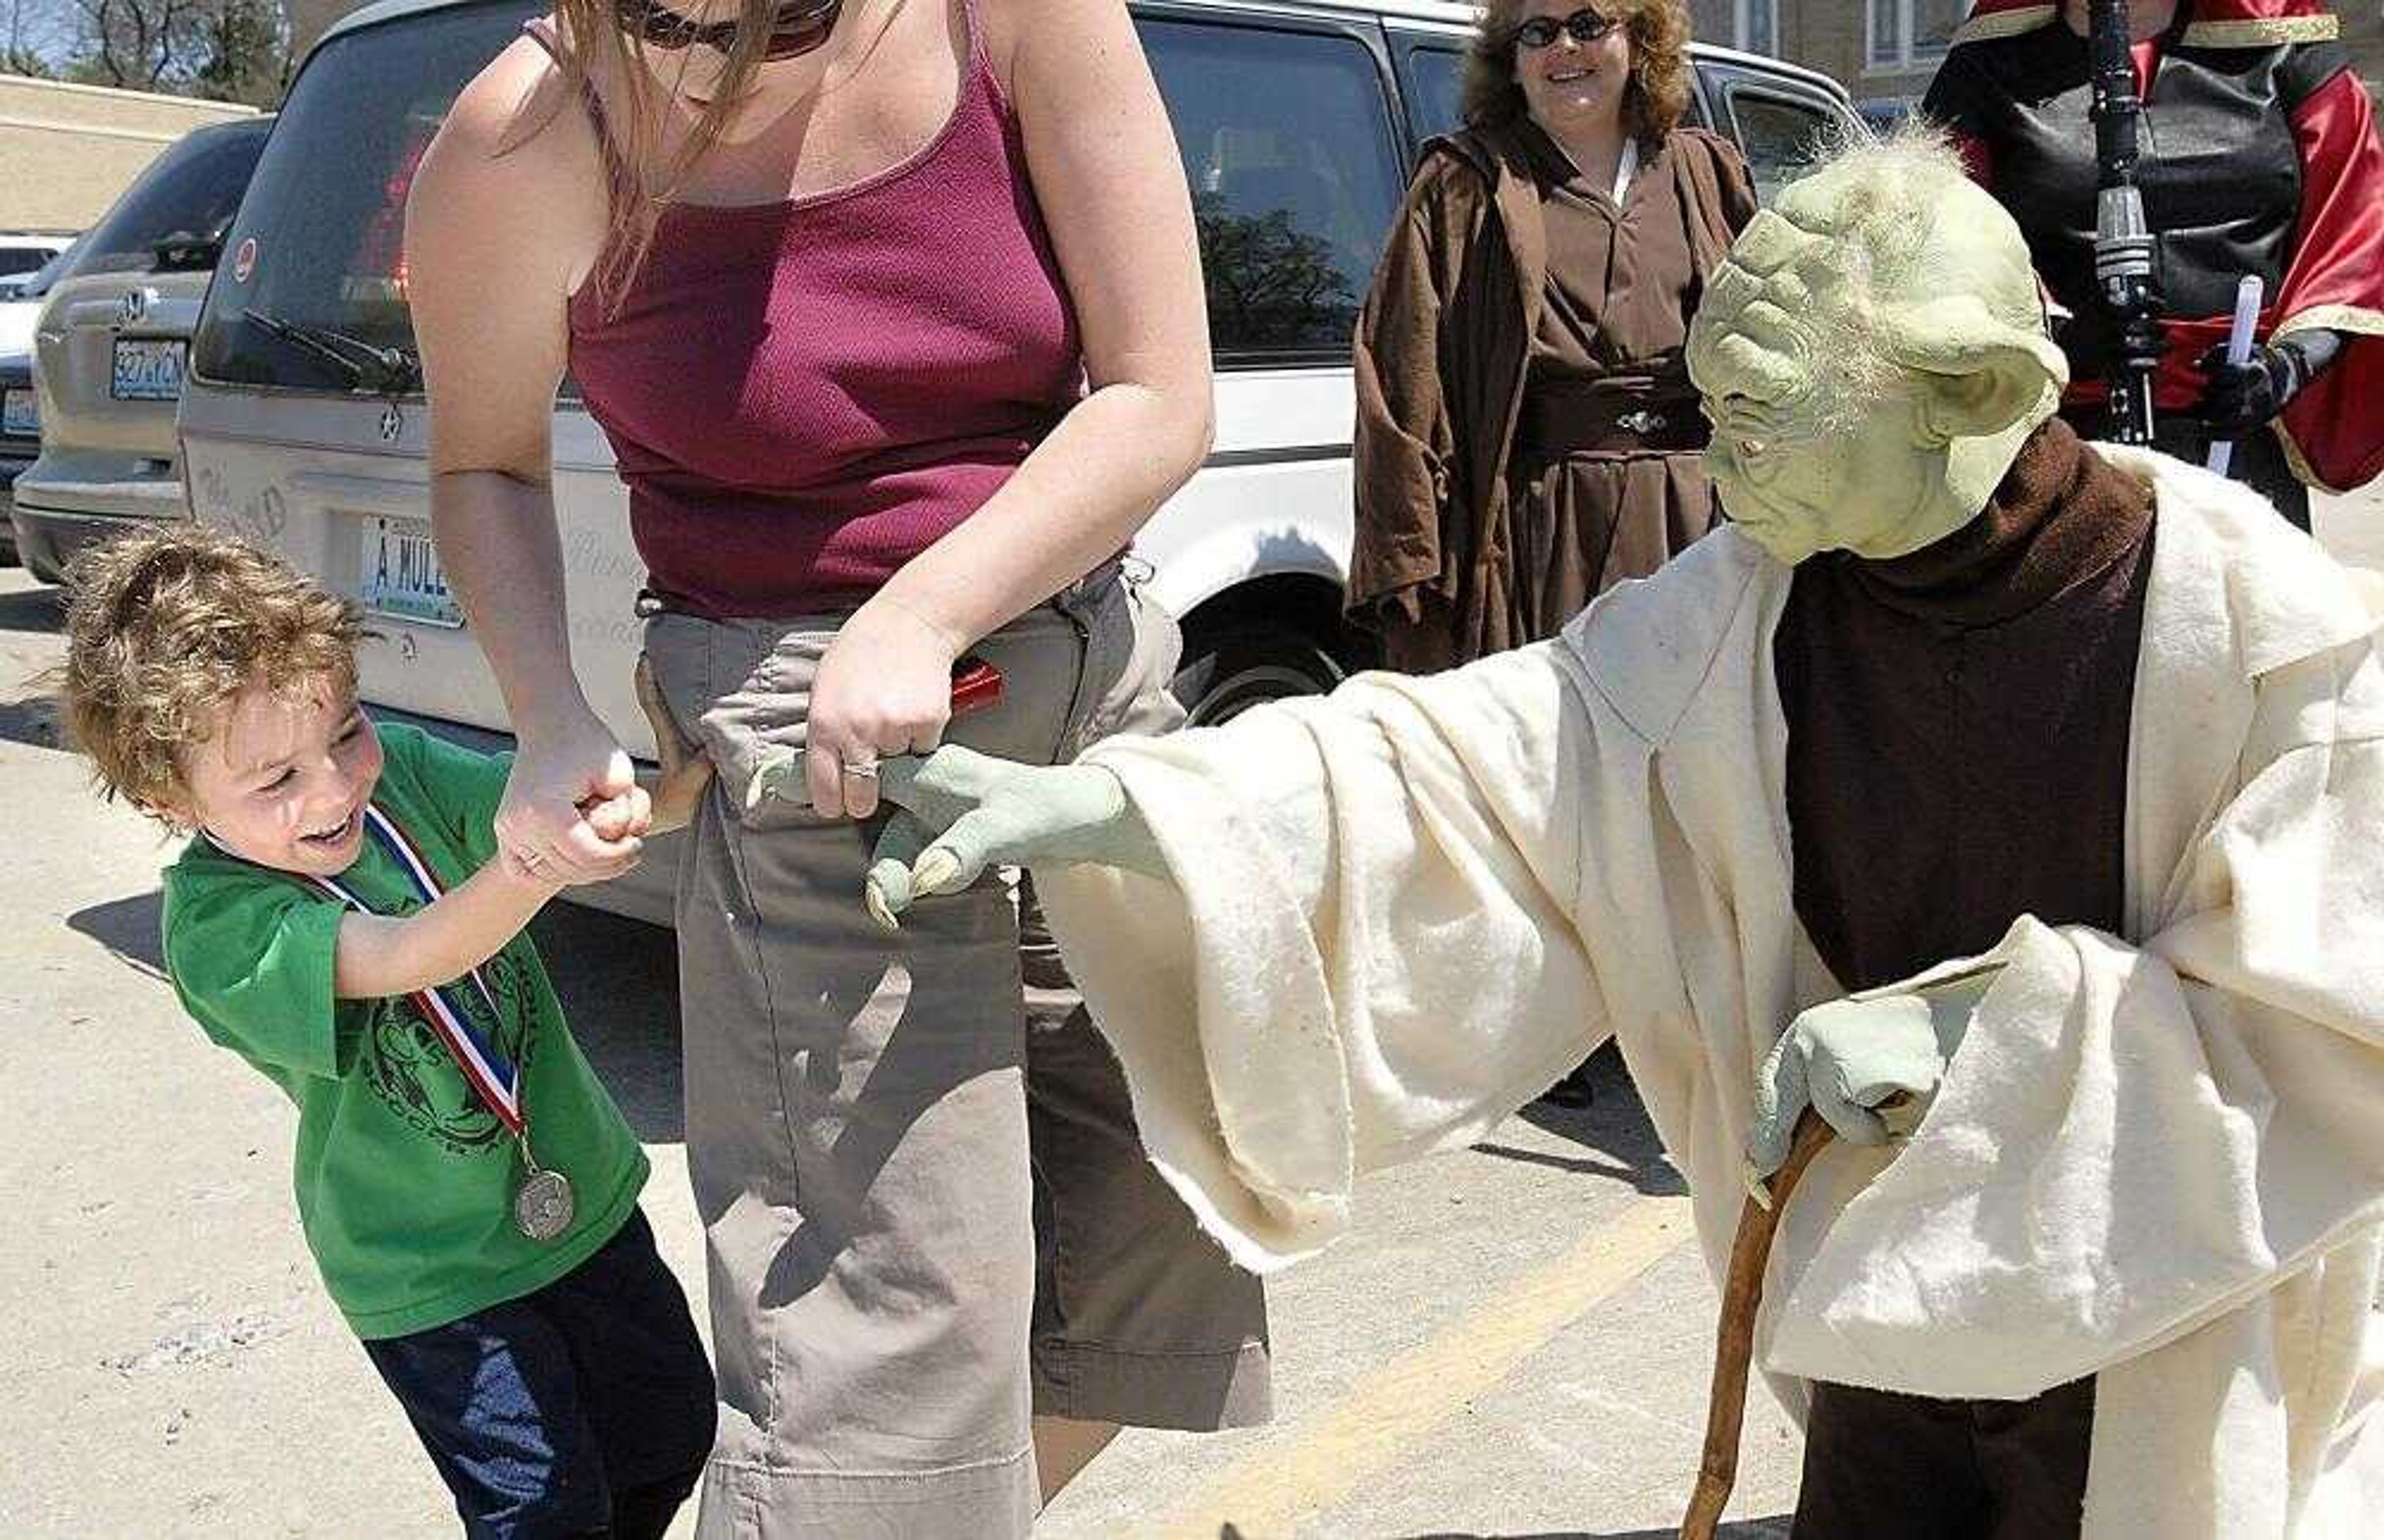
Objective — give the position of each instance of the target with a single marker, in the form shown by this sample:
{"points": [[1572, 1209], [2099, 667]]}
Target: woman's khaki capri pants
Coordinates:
{"points": [[926, 1212]]}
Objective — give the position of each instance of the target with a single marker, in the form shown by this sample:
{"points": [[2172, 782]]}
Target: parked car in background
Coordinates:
{"points": [[23, 254], [21, 305], [20, 436], [111, 346], [1299, 124]]}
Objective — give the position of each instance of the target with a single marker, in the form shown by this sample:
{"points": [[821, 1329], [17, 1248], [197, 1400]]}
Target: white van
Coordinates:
{"points": [[303, 427]]}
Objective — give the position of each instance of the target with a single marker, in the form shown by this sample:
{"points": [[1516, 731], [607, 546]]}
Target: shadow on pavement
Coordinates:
{"points": [[1613, 1128], [32, 721], [35, 611], [127, 927], [618, 982]]}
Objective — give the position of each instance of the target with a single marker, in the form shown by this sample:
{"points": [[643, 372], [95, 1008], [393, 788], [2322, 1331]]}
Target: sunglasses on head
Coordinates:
{"points": [[1584, 25], [796, 28]]}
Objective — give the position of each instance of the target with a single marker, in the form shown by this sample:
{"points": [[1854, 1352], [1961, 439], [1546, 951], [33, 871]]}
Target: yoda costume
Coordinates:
{"points": [[2157, 1158], [2130, 1252]]}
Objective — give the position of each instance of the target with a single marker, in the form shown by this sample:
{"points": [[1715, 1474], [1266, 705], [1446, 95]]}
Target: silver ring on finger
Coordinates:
{"points": [[863, 772]]}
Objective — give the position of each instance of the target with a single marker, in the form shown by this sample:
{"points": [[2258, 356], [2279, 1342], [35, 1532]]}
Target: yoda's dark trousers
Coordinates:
{"points": [[1884, 1466]]}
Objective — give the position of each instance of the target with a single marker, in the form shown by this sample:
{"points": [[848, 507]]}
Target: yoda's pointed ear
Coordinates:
{"points": [[1981, 374]]}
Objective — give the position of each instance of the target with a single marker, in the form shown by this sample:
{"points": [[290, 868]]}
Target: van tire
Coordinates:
{"points": [[1227, 671]]}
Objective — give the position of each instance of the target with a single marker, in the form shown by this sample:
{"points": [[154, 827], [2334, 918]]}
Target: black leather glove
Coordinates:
{"points": [[2244, 396]]}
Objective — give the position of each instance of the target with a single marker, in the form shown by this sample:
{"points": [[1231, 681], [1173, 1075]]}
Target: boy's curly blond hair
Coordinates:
{"points": [[165, 628]]}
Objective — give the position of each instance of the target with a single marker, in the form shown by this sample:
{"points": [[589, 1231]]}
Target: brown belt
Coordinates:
{"points": [[1609, 420]]}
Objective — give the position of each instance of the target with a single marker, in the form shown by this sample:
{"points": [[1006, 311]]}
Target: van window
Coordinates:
{"points": [[1783, 137], [1296, 175], [1435, 90], [328, 214], [191, 191]]}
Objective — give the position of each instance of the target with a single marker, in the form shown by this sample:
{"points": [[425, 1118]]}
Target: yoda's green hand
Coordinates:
{"points": [[1868, 1067], [962, 812]]}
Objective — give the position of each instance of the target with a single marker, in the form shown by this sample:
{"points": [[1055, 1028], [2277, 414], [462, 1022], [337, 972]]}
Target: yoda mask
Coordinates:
{"points": [[1871, 355]]}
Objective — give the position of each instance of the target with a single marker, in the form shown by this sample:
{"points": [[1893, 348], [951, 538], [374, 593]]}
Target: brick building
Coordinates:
{"points": [[1884, 51]]}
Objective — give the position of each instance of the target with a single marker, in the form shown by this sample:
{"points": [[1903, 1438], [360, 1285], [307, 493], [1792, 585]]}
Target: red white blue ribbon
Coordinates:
{"points": [[497, 1082]]}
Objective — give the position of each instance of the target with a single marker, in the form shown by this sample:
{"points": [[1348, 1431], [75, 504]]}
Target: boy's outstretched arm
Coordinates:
{"points": [[379, 955]]}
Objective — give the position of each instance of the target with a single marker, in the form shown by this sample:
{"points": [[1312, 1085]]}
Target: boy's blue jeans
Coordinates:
{"points": [[585, 1409]]}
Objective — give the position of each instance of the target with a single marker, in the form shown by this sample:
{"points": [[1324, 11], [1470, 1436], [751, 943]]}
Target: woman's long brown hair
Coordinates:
{"points": [[591, 46]]}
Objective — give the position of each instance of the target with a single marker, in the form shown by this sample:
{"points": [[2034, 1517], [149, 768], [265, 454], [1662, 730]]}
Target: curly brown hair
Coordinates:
{"points": [[1659, 92], [165, 628]]}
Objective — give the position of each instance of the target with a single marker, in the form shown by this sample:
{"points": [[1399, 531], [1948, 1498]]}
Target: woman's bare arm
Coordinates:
{"points": [[507, 217], [1106, 171]]}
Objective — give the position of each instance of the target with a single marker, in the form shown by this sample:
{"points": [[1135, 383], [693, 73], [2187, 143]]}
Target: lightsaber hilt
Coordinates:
{"points": [[2125, 250], [2249, 292]]}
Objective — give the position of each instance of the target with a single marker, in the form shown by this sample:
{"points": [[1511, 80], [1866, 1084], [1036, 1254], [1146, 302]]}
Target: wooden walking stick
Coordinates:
{"points": [[1742, 1294]]}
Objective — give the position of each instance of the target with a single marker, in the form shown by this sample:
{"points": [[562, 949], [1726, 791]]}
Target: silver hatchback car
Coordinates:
{"points": [[112, 346]]}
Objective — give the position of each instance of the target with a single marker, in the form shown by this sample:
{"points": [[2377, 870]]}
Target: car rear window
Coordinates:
{"points": [[190, 193], [319, 246]]}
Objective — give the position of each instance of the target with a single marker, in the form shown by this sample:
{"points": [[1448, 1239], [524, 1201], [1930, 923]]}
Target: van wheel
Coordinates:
{"points": [[1226, 673]]}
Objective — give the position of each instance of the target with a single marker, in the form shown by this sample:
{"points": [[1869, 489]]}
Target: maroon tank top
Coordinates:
{"points": [[803, 395]]}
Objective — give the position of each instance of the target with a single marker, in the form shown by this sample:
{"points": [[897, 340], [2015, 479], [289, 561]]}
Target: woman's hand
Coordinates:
{"points": [[883, 688], [572, 811]]}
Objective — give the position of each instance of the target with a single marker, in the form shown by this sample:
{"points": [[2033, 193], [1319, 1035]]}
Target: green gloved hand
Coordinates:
{"points": [[962, 812], [1868, 1067]]}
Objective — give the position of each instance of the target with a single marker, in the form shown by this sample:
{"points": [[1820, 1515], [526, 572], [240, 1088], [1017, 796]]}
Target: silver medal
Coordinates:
{"points": [[542, 1205]]}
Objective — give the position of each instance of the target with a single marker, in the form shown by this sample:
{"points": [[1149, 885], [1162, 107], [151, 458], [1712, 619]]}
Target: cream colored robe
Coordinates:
{"points": [[1399, 912]]}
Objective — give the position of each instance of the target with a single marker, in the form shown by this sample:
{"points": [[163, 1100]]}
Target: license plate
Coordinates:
{"points": [[400, 577], [148, 370], [20, 416]]}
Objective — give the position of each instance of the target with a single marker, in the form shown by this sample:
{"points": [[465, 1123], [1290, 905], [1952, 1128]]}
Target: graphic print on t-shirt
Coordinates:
{"points": [[411, 1069]]}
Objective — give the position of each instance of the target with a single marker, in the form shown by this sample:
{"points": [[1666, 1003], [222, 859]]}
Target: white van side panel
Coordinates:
{"points": [[1274, 497], [257, 465]]}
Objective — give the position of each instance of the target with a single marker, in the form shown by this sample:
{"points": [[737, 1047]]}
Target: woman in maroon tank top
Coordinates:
{"points": [[891, 312]]}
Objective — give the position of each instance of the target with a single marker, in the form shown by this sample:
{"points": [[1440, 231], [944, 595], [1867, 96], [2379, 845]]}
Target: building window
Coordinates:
{"points": [[1751, 25], [1910, 34]]}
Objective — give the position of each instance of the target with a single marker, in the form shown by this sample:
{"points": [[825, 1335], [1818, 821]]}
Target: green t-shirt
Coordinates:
{"points": [[405, 1179]]}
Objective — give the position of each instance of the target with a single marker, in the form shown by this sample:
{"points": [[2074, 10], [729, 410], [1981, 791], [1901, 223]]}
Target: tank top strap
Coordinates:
{"points": [[541, 31], [976, 70]]}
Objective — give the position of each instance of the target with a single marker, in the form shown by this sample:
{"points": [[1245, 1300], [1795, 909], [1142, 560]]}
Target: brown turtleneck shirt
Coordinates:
{"points": [[1958, 721]]}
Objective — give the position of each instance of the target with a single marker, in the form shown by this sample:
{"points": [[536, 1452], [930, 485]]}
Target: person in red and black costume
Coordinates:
{"points": [[2259, 156]]}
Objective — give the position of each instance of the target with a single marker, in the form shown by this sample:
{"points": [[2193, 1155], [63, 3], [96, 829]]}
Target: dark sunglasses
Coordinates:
{"points": [[1584, 26], [797, 27]]}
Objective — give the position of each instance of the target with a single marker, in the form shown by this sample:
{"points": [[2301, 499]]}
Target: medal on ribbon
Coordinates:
{"points": [[544, 1204]]}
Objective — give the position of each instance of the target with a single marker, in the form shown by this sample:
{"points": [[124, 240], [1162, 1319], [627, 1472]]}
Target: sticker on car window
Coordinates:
{"points": [[244, 261]]}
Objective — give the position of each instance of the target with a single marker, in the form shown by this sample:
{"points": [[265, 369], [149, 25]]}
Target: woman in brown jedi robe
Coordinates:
{"points": [[1527, 435]]}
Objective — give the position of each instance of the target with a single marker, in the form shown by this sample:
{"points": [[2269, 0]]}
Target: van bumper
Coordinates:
{"points": [[66, 503], [10, 468], [47, 538]]}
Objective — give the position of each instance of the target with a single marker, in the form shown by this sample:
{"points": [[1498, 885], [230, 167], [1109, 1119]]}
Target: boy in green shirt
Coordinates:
{"points": [[343, 920]]}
